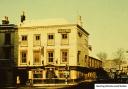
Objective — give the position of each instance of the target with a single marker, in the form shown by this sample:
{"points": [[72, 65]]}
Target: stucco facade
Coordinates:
{"points": [[56, 51]]}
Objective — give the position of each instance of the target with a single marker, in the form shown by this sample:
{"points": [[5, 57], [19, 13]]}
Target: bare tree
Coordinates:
{"points": [[102, 56], [119, 57]]}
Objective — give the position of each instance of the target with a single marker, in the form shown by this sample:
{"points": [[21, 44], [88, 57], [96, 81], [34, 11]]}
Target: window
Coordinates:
{"points": [[37, 37], [24, 38], [36, 57], [50, 40], [7, 38], [50, 55], [64, 36], [23, 56], [64, 39], [63, 74], [50, 36], [78, 57], [37, 74], [64, 55], [36, 41], [85, 58]]}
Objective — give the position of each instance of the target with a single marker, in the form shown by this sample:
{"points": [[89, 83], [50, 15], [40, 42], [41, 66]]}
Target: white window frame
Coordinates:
{"points": [[64, 38], [22, 58], [37, 42], [48, 58], [24, 40], [63, 56], [39, 57], [24, 37], [50, 39]]}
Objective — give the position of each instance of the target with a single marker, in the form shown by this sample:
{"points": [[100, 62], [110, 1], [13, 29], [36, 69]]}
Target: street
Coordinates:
{"points": [[84, 85]]}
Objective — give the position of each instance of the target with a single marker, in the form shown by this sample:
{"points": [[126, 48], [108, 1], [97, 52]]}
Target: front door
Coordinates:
{"points": [[50, 73], [23, 76]]}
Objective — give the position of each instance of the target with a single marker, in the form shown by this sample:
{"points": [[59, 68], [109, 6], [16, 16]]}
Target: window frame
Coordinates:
{"points": [[50, 58], [37, 37], [62, 55], [38, 52], [50, 36], [51, 39], [37, 40], [22, 58], [24, 37], [37, 72], [64, 38], [7, 39]]}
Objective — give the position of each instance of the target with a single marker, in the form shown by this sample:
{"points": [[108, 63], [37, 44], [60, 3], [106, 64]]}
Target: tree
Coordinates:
{"points": [[119, 57], [102, 55]]}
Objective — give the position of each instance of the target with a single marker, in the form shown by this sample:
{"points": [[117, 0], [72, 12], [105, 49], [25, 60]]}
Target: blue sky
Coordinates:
{"points": [[105, 20]]}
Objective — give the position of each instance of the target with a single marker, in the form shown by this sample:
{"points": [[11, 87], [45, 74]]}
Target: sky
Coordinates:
{"points": [[105, 20]]}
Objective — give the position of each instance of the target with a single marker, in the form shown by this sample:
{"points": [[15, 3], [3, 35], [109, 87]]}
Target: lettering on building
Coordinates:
{"points": [[64, 30]]}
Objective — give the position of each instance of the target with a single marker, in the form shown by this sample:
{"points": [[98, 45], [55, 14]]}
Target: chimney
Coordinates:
{"points": [[22, 17], [5, 21]]}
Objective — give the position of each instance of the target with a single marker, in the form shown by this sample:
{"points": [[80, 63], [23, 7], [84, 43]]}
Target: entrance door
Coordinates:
{"points": [[50, 73], [23, 74]]}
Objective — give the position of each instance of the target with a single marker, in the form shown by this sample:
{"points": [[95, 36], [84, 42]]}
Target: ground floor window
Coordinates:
{"points": [[37, 76], [63, 73]]}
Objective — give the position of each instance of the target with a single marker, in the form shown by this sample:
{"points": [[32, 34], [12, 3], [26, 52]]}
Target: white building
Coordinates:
{"points": [[52, 49]]}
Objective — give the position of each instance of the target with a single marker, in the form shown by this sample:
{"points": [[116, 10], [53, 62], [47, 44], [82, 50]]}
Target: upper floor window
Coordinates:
{"points": [[24, 41], [36, 57], [78, 57], [64, 39], [7, 38], [50, 56], [23, 56], [50, 36], [64, 56], [24, 38], [37, 37], [50, 40], [36, 40], [64, 36]]}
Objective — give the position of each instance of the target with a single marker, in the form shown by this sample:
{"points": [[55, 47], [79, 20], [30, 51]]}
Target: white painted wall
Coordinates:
{"points": [[43, 31]]}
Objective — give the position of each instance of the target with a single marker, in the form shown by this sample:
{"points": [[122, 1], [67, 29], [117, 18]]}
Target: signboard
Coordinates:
{"points": [[64, 30]]}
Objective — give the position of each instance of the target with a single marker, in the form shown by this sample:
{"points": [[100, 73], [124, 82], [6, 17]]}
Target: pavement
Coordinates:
{"points": [[78, 85]]}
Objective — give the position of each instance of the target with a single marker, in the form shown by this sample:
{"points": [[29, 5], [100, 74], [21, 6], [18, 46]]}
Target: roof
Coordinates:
{"points": [[47, 22], [8, 26]]}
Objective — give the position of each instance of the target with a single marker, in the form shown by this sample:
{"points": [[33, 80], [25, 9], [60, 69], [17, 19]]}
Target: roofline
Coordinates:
{"points": [[46, 26], [82, 29], [95, 58], [8, 26], [54, 26]]}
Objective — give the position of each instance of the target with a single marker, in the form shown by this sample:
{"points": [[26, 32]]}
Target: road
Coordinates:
{"points": [[86, 85]]}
